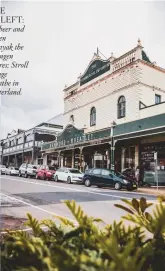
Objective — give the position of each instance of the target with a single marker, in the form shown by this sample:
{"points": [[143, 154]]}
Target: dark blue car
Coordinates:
{"points": [[104, 177]]}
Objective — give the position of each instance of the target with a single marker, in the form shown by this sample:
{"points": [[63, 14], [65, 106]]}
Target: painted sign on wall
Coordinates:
{"points": [[97, 68]]}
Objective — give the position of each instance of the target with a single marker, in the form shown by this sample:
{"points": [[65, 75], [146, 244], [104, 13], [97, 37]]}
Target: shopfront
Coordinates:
{"points": [[152, 163]]}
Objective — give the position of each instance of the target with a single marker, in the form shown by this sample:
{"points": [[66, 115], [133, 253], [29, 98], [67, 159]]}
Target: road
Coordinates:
{"points": [[44, 199]]}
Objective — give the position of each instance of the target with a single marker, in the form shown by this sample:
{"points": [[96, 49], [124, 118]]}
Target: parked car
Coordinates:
{"points": [[45, 172], [69, 175], [130, 173], [2, 169], [104, 177], [27, 170], [12, 171]]}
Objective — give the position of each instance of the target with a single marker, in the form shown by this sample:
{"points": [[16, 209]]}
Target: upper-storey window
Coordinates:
{"points": [[121, 107], [157, 99], [72, 118], [93, 116]]}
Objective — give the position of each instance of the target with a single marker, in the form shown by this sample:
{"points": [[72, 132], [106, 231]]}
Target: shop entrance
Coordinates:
{"points": [[149, 170]]}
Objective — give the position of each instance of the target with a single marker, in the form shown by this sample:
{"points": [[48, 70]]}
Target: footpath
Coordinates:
{"points": [[152, 190]]}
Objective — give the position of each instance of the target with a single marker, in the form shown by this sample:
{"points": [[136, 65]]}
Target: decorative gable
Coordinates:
{"points": [[145, 57], [96, 67]]}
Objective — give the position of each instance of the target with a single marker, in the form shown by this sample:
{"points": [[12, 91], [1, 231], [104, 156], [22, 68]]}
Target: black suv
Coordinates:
{"points": [[27, 170], [104, 177]]}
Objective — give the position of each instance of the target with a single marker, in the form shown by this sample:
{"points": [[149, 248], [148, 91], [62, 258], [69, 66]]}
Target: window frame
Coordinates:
{"points": [[97, 173], [121, 106], [93, 116], [157, 96], [106, 171]]}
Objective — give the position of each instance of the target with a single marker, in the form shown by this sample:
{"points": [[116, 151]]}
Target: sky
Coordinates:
{"points": [[59, 41]]}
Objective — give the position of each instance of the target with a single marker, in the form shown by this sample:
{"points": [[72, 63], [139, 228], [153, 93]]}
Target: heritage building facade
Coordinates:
{"points": [[114, 109]]}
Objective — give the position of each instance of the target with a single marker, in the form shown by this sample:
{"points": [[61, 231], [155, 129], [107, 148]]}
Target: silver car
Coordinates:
{"points": [[27, 170], [12, 171], [2, 169], [69, 175]]}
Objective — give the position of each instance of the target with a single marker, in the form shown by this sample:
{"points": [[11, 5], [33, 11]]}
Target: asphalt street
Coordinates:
{"points": [[45, 199]]}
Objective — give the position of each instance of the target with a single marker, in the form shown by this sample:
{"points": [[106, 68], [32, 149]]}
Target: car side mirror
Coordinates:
{"points": [[111, 175]]}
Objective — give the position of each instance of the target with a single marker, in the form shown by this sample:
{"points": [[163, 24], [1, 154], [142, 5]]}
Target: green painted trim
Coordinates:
{"points": [[77, 137], [140, 125], [145, 57]]}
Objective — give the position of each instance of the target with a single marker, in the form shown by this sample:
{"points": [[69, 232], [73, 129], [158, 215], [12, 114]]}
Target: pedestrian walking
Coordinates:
{"points": [[137, 174]]}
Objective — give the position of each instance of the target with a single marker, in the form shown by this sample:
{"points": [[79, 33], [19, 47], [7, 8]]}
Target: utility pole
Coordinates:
{"points": [[156, 170], [112, 167]]}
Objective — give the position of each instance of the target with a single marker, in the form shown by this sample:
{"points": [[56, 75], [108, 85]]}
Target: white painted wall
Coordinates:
{"points": [[104, 97], [134, 82], [152, 76], [147, 95], [152, 111]]}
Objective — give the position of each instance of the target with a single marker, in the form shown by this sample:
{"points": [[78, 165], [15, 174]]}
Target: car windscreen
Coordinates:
{"points": [[16, 168], [34, 167], [74, 171], [118, 174], [3, 167]]}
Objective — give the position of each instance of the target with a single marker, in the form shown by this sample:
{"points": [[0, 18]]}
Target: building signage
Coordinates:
{"points": [[72, 136], [97, 68], [148, 156]]}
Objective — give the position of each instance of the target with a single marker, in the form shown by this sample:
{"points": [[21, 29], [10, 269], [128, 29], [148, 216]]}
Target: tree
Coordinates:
{"points": [[89, 246]]}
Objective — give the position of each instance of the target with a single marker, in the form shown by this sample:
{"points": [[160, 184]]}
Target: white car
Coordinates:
{"points": [[69, 175], [12, 171], [2, 169]]}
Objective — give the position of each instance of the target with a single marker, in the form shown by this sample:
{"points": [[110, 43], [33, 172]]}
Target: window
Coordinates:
{"points": [[74, 171], [93, 116], [105, 172], [121, 107], [157, 99], [72, 118], [96, 171]]}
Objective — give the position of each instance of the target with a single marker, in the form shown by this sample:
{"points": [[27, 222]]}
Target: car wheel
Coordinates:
{"points": [[117, 186], [26, 175], [10, 173], [87, 182], [19, 174], [56, 178], [69, 180], [99, 186]]}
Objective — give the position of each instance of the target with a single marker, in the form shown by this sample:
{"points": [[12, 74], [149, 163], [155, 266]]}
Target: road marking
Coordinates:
{"points": [[89, 189], [71, 189], [39, 208]]}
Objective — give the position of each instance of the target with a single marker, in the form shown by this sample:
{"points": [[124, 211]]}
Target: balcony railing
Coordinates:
{"points": [[152, 110], [20, 147]]}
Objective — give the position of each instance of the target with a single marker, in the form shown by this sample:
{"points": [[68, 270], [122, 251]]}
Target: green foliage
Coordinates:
{"points": [[88, 245]]}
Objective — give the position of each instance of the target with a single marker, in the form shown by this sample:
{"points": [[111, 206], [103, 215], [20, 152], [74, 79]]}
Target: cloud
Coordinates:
{"points": [[59, 41]]}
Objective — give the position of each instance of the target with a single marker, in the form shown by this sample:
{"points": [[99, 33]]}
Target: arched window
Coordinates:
{"points": [[93, 116], [121, 107], [72, 118]]}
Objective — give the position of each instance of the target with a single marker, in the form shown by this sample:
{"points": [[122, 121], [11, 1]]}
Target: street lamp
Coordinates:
{"points": [[113, 125]]}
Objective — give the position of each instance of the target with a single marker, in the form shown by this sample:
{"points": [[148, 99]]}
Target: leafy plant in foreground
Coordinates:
{"points": [[88, 246]]}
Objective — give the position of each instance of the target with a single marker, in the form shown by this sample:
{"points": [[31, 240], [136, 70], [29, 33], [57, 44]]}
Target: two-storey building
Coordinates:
{"points": [[25, 146], [113, 114]]}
